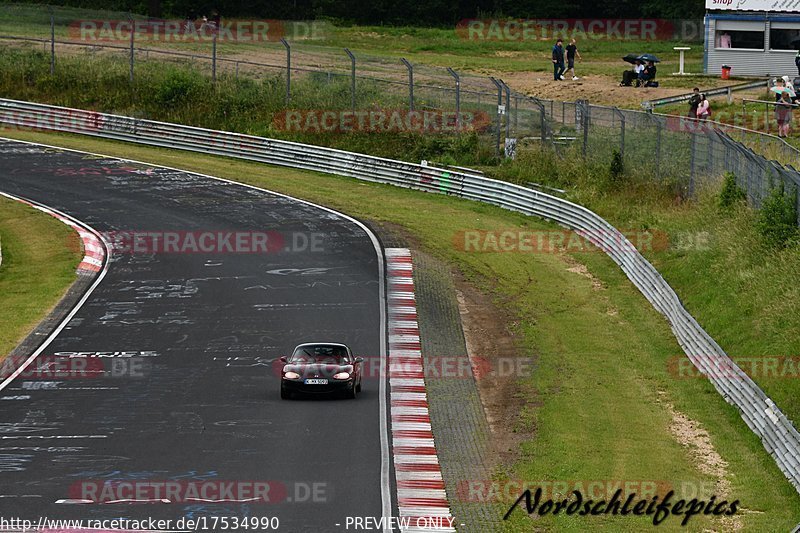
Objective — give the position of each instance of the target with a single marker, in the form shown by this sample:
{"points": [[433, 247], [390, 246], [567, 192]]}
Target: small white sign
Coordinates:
{"points": [[754, 5], [501, 110]]}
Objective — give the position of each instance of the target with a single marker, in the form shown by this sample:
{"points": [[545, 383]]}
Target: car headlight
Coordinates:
{"points": [[291, 375], [342, 375]]}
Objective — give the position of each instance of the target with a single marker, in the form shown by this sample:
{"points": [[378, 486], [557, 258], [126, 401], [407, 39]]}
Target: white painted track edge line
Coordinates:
{"points": [[386, 492], [80, 302]]}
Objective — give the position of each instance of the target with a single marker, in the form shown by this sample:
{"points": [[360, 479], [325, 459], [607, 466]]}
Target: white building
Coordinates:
{"points": [[753, 37]]}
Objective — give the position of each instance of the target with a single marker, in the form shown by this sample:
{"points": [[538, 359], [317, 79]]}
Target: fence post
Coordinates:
{"points": [[583, 121], [658, 147], [508, 108], [286, 45], [693, 163], [621, 116], [410, 69], [712, 139], [456, 77], [214, 57], [130, 18], [352, 79], [542, 119], [52, 42], [499, 113]]}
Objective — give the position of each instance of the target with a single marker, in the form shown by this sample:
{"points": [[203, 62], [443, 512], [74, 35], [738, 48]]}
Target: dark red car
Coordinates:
{"points": [[321, 368]]}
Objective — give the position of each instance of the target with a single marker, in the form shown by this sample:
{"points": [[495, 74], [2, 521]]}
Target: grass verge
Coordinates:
{"points": [[40, 255], [604, 404]]}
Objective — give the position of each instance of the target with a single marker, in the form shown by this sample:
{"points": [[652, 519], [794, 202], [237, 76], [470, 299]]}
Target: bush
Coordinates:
{"points": [[616, 170], [178, 88], [777, 220], [731, 195]]}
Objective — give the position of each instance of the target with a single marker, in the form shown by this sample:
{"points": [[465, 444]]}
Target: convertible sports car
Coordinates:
{"points": [[321, 368]]}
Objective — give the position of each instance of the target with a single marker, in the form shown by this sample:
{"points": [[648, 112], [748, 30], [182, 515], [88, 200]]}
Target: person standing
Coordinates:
{"points": [[558, 60], [783, 114], [797, 62], [572, 51], [694, 102], [704, 108]]}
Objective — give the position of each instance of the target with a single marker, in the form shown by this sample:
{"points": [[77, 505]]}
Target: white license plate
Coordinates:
{"points": [[316, 382]]}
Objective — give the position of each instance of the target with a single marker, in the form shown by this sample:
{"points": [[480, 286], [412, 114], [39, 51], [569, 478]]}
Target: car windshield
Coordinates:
{"points": [[332, 355]]}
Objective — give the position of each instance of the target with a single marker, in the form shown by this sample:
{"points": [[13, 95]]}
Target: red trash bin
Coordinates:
{"points": [[726, 72]]}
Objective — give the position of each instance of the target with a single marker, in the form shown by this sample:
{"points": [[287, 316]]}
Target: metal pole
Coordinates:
{"points": [[214, 58], [693, 163], [52, 42], [410, 83], [658, 148], [499, 114], [507, 90], [621, 116], [542, 119], [585, 118], [286, 45], [130, 17], [456, 77], [352, 79]]}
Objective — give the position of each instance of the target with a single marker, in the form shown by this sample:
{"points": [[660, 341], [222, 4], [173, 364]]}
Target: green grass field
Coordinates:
{"points": [[40, 255], [375, 46], [603, 402]]}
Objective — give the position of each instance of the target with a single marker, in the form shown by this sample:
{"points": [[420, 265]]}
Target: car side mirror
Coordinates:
{"points": [[359, 359], [283, 359]]}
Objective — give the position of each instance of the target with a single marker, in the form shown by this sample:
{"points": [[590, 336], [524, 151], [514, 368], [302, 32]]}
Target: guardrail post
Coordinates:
{"points": [[52, 42], [456, 77], [288, 47], [214, 57], [130, 18], [352, 78], [410, 69]]}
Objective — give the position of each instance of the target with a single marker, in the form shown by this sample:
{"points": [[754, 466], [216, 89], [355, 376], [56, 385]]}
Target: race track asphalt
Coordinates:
{"points": [[196, 397]]}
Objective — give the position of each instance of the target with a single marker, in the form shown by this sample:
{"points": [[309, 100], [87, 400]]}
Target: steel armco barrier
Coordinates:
{"points": [[761, 415]]}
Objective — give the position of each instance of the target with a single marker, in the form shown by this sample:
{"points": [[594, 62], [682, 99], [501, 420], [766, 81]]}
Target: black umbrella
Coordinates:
{"points": [[631, 58], [649, 57]]}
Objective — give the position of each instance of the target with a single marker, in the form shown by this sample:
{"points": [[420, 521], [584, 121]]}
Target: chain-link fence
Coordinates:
{"points": [[687, 152], [683, 151]]}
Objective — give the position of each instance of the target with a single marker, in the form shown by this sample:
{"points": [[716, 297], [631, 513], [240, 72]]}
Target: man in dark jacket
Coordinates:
{"points": [[694, 102], [558, 60]]}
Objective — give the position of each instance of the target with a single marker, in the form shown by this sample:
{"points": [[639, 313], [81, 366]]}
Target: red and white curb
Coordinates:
{"points": [[421, 497], [93, 250]]}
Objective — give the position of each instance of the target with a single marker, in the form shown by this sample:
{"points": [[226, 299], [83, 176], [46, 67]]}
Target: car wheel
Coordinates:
{"points": [[350, 393], [285, 394], [358, 387]]}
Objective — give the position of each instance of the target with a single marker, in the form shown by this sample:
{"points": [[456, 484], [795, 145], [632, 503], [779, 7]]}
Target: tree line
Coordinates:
{"points": [[441, 13]]}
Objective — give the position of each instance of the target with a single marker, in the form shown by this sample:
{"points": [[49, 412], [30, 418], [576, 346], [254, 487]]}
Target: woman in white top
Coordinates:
{"points": [[704, 109]]}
